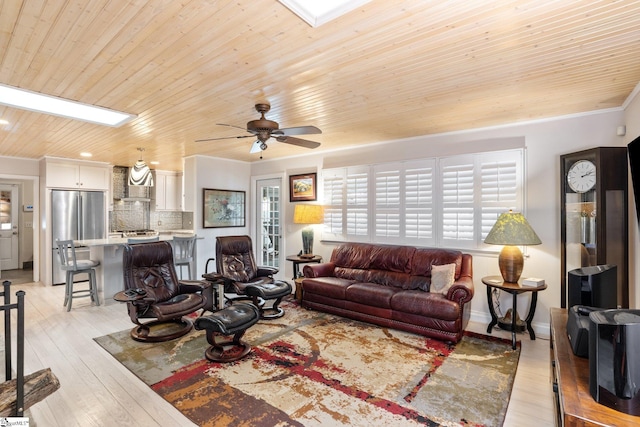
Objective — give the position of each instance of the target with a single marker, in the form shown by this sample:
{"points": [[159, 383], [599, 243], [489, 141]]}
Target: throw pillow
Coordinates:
{"points": [[442, 277]]}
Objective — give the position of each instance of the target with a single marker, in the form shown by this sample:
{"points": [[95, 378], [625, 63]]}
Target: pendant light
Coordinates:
{"points": [[140, 174]]}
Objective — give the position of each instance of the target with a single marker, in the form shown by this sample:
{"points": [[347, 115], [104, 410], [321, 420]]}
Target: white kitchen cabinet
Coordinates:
{"points": [[77, 176], [168, 191]]}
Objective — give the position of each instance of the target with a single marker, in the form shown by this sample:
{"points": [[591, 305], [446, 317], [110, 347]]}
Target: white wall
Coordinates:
{"points": [[208, 172], [545, 141]]}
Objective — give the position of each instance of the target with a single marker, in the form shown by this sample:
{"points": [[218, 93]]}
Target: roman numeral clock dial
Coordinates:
{"points": [[582, 176]]}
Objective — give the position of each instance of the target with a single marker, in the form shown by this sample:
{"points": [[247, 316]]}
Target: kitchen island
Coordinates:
{"points": [[109, 274]]}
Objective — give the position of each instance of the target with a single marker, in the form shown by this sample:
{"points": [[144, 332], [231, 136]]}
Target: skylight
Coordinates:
{"points": [[316, 12], [33, 101]]}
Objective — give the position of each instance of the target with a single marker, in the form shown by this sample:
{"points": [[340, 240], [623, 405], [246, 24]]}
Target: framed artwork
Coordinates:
{"points": [[223, 208], [302, 188]]}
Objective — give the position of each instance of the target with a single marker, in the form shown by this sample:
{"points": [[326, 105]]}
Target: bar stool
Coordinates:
{"points": [[183, 253], [73, 266]]}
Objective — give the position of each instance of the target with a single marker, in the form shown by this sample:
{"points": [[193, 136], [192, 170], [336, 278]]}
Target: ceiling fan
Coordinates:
{"points": [[264, 129]]}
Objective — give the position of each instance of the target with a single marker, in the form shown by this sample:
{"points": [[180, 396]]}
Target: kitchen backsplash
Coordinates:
{"points": [[128, 215]]}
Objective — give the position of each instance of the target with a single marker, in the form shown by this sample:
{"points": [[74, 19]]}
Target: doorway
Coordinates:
{"points": [[269, 226], [9, 227]]}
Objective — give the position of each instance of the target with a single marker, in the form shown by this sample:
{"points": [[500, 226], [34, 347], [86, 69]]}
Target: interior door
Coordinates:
{"points": [[8, 227], [268, 230]]}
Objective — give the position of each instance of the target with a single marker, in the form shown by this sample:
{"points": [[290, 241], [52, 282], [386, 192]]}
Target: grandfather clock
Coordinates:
{"points": [[594, 226]]}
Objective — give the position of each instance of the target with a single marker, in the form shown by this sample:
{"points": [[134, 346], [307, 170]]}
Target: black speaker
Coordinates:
{"points": [[614, 359], [578, 329], [594, 286]]}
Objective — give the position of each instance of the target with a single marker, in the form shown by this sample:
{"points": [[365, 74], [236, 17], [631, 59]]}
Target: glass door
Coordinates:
{"points": [[268, 229]]}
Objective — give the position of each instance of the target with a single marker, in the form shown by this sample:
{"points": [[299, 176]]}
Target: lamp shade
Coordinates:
{"points": [[512, 228], [308, 214]]}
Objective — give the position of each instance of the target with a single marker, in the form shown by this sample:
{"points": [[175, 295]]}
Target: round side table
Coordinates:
{"points": [[297, 260], [514, 289]]}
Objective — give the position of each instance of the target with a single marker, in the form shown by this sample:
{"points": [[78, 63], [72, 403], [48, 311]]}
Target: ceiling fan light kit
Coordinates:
{"points": [[264, 129]]}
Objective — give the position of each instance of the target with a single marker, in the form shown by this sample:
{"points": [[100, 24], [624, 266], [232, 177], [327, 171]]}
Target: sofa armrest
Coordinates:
{"points": [[461, 291], [326, 269]]}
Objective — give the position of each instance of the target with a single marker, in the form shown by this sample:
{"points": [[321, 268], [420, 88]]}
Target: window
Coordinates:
{"points": [[449, 202]]}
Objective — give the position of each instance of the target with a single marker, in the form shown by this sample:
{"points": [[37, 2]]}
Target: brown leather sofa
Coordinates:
{"points": [[390, 286]]}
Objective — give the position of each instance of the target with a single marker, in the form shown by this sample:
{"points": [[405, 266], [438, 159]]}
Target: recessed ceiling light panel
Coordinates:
{"points": [[33, 101], [316, 13]]}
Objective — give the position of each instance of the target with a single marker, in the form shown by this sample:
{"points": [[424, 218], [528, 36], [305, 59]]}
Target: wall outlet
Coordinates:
{"points": [[159, 222], [28, 225]]}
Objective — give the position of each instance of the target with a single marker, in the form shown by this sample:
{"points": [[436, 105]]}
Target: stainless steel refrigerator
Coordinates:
{"points": [[75, 215]]}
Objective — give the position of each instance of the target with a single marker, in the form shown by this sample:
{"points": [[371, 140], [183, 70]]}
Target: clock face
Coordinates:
{"points": [[582, 176]]}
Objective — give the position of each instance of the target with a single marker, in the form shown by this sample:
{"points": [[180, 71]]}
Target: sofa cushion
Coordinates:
{"points": [[352, 256], [386, 265], [332, 287], [442, 277], [371, 294], [353, 274], [427, 304], [391, 258]]}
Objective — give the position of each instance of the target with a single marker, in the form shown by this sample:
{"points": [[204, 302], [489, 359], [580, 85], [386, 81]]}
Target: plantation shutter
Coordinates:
{"points": [[387, 202], [334, 200], [419, 202], [501, 186], [357, 206], [457, 175], [449, 202]]}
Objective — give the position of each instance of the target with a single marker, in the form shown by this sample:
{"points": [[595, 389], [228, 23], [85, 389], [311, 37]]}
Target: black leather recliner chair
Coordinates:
{"points": [[149, 267], [236, 265]]}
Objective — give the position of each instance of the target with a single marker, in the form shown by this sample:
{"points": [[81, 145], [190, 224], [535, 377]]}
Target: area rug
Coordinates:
{"points": [[314, 369]]}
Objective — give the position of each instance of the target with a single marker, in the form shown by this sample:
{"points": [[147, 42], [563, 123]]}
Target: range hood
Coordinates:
{"points": [[136, 193], [125, 192]]}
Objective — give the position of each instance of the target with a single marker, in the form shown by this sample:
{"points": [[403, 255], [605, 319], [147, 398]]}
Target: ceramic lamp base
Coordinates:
{"points": [[511, 262], [307, 242]]}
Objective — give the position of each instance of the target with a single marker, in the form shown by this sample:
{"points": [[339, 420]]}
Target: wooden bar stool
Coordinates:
{"points": [[73, 266], [183, 253]]}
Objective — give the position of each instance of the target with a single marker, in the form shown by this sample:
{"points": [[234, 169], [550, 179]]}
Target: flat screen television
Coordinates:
{"points": [[633, 151]]}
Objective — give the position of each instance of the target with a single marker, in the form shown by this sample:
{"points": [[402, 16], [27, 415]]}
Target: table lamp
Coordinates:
{"points": [[512, 230], [308, 214]]}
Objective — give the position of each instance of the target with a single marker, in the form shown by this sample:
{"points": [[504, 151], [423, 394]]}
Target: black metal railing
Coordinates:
{"points": [[7, 307]]}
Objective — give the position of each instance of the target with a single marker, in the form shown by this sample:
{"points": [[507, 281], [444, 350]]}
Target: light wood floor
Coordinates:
{"points": [[96, 390]]}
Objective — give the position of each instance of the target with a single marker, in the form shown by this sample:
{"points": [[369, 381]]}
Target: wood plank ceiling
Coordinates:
{"points": [[387, 70]]}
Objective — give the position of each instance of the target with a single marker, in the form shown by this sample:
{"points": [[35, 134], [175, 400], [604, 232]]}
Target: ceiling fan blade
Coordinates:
{"points": [[233, 126], [300, 130], [297, 141], [225, 137]]}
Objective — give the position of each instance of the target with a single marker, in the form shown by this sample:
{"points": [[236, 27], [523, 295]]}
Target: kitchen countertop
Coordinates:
{"points": [[116, 241]]}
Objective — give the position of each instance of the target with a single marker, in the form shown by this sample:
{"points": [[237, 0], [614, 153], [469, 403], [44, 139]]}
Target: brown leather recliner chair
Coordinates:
{"points": [[149, 269], [236, 265]]}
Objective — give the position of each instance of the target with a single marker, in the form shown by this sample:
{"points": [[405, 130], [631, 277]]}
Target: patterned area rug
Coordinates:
{"points": [[314, 369]]}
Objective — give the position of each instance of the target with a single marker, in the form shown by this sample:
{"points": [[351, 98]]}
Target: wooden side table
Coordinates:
{"points": [[514, 289], [298, 283], [297, 260]]}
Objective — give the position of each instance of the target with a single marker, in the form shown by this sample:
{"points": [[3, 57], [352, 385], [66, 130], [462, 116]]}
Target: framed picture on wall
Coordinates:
{"points": [[223, 208], [302, 188]]}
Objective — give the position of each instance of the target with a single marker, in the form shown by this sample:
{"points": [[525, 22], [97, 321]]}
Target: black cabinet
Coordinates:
{"points": [[594, 224]]}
